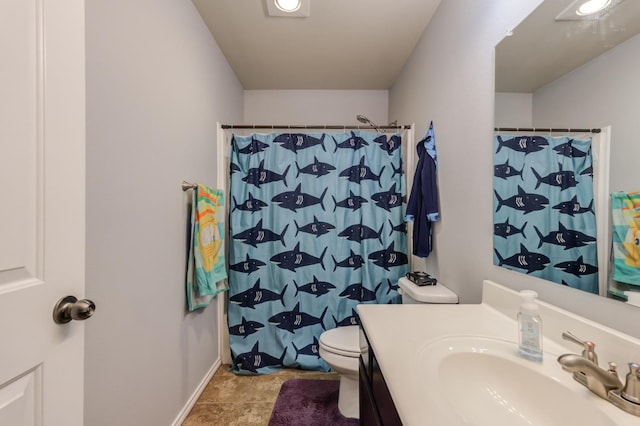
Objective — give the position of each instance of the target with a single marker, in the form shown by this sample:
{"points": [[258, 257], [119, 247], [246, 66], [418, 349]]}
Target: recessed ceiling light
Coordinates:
{"points": [[592, 6], [288, 8], [588, 10], [288, 5]]}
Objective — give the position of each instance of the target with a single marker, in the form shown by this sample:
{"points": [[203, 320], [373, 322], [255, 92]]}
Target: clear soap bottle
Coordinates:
{"points": [[529, 327]]}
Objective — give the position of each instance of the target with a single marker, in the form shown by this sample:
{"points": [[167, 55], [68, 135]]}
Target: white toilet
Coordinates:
{"points": [[340, 347]]}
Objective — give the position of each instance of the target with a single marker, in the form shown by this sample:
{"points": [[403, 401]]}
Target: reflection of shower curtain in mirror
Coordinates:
{"points": [[544, 216], [316, 227]]}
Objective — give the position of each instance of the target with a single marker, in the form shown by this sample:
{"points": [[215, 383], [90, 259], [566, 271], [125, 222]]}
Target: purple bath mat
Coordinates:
{"points": [[310, 403]]}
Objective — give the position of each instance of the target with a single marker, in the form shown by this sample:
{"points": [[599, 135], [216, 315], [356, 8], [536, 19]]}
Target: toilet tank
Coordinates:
{"points": [[434, 294]]}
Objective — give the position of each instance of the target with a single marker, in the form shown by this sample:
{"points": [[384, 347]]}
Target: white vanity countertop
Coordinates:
{"points": [[398, 335]]}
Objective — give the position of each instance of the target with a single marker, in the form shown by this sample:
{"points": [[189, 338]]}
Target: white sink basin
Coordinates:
{"points": [[482, 381]]}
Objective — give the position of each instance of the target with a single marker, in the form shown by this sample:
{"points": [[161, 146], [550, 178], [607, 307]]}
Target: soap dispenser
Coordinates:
{"points": [[529, 327]]}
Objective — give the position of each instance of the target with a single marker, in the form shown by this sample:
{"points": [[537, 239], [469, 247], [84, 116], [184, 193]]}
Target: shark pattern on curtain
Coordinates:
{"points": [[316, 227], [544, 217]]}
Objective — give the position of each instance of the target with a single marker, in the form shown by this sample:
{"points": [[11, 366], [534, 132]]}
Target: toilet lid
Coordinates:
{"points": [[437, 294], [343, 340]]}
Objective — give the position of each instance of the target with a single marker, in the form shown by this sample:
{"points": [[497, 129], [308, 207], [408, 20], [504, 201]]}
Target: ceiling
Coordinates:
{"points": [[542, 49], [343, 44]]}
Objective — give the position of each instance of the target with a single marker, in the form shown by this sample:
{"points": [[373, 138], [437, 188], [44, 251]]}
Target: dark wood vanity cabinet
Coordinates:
{"points": [[376, 406]]}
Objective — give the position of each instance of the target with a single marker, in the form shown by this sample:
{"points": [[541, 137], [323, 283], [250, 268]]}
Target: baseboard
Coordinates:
{"points": [[196, 394]]}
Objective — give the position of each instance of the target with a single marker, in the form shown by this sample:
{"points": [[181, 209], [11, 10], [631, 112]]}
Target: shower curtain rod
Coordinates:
{"points": [[309, 126], [540, 129]]}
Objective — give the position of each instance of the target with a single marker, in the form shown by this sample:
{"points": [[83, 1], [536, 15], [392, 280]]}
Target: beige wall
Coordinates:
{"points": [[315, 106], [156, 85], [513, 110], [450, 79]]}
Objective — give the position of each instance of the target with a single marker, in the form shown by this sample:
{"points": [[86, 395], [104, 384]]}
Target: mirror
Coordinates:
{"points": [[558, 70]]}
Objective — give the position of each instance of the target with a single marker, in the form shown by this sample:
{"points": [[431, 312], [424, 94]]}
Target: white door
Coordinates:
{"points": [[42, 180]]}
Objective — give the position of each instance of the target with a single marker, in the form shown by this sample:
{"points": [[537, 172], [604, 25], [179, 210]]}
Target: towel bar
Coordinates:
{"points": [[187, 186]]}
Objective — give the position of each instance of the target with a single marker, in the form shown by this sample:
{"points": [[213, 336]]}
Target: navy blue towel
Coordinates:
{"points": [[422, 208]]}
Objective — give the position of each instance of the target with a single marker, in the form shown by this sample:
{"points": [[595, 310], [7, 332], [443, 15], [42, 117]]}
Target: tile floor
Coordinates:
{"points": [[230, 400]]}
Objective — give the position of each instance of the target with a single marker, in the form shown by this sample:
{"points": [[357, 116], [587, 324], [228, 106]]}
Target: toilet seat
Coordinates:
{"points": [[342, 341]]}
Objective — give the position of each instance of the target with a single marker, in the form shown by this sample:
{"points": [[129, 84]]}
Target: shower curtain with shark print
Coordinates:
{"points": [[316, 227], [544, 216]]}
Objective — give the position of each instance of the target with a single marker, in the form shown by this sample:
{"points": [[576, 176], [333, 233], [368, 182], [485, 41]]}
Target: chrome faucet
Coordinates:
{"points": [[604, 383], [598, 380]]}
